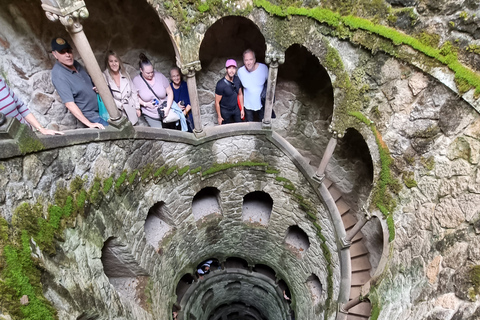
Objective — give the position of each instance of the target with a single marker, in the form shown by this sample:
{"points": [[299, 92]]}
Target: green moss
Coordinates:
{"points": [[409, 180], [28, 142], [272, 170], [429, 39], [183, 170], [375, 304], [171, 170], [132, 176], [216, 167], [473, 48], [428, 163], [159, 171], [475, 278], [387, 186], [196, 170], [121, 180], [146, 172], [95, 189], [107, 185], [76, 184], [336, 21], [464, 15]]}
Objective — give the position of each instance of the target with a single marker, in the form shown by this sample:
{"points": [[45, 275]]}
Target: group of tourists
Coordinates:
{"points": [[162, 103]]}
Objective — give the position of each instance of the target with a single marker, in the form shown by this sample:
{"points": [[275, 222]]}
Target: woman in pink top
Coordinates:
{"points": [[152, 85]]}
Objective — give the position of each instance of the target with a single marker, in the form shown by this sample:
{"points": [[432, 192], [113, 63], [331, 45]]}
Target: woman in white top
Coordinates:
{"points": [[123, 91]]}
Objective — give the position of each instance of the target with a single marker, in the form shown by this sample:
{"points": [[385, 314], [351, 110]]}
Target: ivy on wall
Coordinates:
{"points": [[20, 272], [447, 55]]}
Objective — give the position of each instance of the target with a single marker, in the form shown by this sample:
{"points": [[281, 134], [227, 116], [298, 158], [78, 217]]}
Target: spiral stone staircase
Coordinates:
{"points": [[361, 267]]}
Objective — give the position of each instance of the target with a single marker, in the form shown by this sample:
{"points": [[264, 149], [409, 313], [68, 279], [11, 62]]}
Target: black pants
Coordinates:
{"points": [[257, 115], [231, 116]]}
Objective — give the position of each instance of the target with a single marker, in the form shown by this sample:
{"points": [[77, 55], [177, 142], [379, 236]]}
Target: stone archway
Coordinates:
{"points": [[304, 102], [225, 39]]}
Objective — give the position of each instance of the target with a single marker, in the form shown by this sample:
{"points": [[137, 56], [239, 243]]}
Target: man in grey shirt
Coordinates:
{"points": [[75, 86]]}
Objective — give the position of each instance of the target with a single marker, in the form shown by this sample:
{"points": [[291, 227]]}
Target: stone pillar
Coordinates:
{"points": [[327, 155], [189, 71], [273, 60], [69, 15]]}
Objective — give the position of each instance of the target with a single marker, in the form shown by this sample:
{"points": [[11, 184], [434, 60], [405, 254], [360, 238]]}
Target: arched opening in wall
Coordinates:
{"points": [[355, 179], [265, 270], [182, 286], [374, 241], [29, 62], [207, 298], [156, 227], [236, 263], [287, 295], [226, 39], [141, 31], [205, 203], [304, 102], [123, 271], [229, 37], [257, 207], [297, 240], [315, 287]]}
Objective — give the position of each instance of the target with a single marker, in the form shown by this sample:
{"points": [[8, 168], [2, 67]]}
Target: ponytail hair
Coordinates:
{"points": [[143, 61]]}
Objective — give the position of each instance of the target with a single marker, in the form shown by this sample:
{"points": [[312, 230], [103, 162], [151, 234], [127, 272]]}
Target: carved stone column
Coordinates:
{"points": [[70, 13], [320, 174], [189, 71], [273, 60]]}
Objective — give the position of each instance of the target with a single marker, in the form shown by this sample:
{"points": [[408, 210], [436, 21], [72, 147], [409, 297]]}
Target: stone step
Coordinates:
{"points": [[361, 264], [327, 183], [358, 237], [355, 292], [336, 194], [342, 206], [363, 309], [348, 221], [359, 278], [358, 249]]}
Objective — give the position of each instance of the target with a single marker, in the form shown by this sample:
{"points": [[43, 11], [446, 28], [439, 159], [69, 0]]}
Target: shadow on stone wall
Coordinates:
{"points": [[304, 103], [128, 27]]}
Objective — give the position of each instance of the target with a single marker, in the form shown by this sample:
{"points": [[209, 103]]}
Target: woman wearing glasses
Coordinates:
{"points": [[123, 91], [155, 92]]}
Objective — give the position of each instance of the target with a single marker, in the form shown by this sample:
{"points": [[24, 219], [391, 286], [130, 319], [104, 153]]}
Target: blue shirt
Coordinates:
{"points": [[76, 86]]}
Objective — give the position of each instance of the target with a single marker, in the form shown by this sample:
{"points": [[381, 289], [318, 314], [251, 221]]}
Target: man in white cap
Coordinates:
{"points": [[253, 76], [229, 96], [204, 268], [75, 86]]}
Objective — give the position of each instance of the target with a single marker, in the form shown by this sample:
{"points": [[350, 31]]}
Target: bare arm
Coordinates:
{"points": [[240, 95], [75, 110], [34, 122], [146, 104], [217, 108], [169, 99]]}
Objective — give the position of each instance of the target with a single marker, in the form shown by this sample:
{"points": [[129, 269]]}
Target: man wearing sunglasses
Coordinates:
{"points": [[229, 96], [75, 86]]}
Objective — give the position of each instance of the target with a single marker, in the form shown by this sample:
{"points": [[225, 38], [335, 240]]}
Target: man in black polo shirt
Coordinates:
{"points": [[227, 92], [75, 86]]}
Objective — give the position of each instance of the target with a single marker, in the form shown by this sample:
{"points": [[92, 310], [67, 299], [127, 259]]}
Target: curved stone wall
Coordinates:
{"points": [[77, 280]]}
